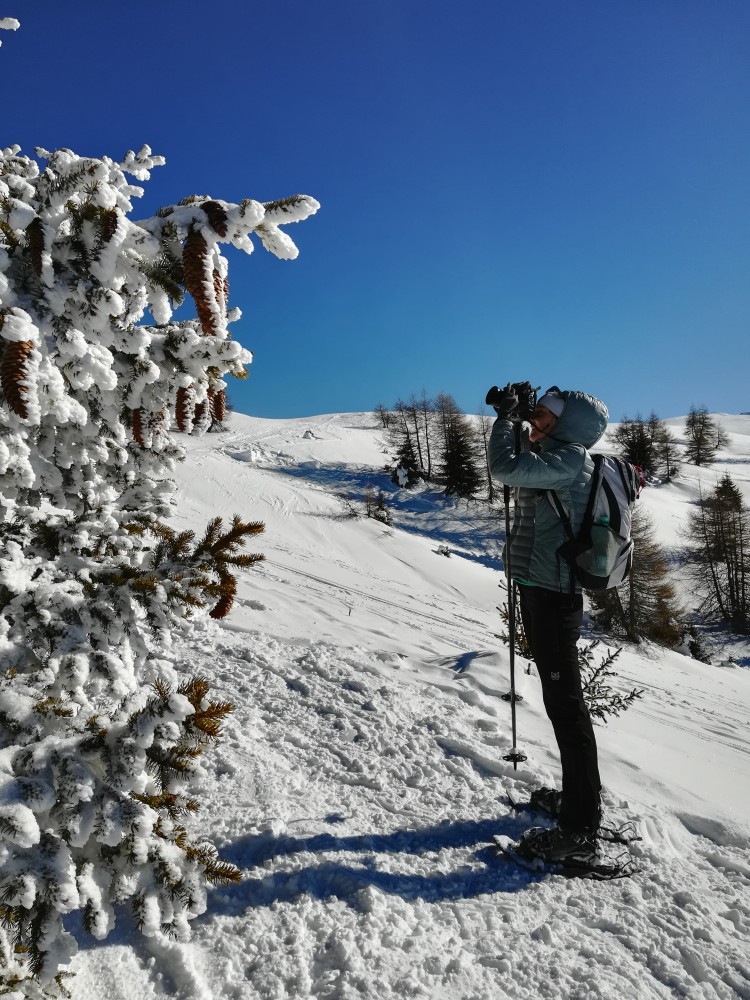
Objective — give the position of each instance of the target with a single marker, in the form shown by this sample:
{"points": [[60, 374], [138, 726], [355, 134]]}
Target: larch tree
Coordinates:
{"points": [[410, 426], [704, 437], [383, 415], [100, 734], [645, 606], [404, 436], [426, 408], [665, 448], [718, 533]]}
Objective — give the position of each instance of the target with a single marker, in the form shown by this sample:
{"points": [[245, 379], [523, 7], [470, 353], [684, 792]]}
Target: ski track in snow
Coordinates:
{"points": [[361, 778]]}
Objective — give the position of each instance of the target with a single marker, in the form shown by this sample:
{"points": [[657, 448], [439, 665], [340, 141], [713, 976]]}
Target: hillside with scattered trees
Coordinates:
{"points": [[431, 441]]}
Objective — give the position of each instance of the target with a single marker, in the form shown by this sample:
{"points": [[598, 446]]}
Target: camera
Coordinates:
{"points": [[516, 401], [526, 400]]}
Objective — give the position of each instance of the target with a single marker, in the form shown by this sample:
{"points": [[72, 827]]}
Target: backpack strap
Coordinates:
{"points": [[571, 549], [562, 513], [615, 519], [557, 505], [588, 516], [627, 476]]}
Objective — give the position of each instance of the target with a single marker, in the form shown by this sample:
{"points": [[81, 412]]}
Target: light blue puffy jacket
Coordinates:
{"points": [[563, 464]]}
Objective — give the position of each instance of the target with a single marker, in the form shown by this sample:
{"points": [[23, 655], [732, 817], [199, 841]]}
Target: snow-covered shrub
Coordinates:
{"points": [[99, 735]]}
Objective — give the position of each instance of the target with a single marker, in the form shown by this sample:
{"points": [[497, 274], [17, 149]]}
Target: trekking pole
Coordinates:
{"points": [[514, 754]]}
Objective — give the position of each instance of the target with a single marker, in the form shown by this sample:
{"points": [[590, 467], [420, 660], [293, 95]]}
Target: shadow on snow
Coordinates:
{"points": [[346, 881], [471, 527], [335, 880]]}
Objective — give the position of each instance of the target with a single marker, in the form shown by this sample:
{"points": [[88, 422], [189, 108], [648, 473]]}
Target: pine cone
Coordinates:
{"points": [[185, 409], [138, 428], [217, 216], [147, 423], [219, 289], [195, 264], [13, 372], [109, 224], [220, 406], [222, 609], [203, 413], [35, 237]]}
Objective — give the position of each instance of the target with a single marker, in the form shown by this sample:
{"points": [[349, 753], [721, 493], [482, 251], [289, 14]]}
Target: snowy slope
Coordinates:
{"points": [[362, 775]]}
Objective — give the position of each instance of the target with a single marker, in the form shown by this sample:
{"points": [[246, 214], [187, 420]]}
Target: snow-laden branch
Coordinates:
{"points": [[9, 24], [100, 735]]}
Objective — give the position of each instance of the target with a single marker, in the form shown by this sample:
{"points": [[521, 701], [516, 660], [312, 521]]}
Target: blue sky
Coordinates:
{"points": [[545, 189]]}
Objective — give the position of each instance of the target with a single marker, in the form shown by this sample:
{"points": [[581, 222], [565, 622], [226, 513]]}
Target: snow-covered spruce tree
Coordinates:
{"points": [[648, 444], [99, 734], [483, 440], [381, 512], [406, 469], [404, 436], [636, 444], [460, 459]]}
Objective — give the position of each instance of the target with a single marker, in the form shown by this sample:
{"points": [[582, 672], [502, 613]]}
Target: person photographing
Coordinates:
{"points": [[549, 451]]}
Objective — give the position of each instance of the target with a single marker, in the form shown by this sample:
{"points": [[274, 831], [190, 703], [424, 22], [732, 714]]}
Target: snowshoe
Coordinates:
{"points": [[554, 852], [558, 846], [547, 800], [544, 799]]}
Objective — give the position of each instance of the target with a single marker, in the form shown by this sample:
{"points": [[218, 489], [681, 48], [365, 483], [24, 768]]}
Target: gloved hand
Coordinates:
{"points": [[526, 394], [504, 401]]}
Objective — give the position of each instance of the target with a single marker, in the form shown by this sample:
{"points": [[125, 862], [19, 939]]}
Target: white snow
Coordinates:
{"points": [[362, 776]]}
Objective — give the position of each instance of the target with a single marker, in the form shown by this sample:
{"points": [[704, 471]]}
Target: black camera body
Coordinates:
{"points": [[515, 402]]}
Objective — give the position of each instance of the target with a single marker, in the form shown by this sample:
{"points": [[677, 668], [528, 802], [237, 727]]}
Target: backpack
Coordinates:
{"points": [[601, 555]]}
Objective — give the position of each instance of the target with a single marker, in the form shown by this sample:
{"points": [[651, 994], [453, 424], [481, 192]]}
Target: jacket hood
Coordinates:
{"points": [[583, 421]]}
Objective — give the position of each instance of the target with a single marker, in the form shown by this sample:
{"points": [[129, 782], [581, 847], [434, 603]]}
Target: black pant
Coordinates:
{"points": [[552, 623]]}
